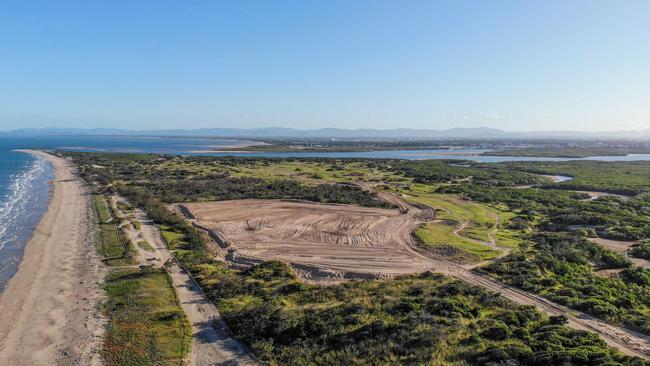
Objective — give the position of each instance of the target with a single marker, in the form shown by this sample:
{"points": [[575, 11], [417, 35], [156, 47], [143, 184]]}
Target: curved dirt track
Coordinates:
{"points": [[269, 229]]}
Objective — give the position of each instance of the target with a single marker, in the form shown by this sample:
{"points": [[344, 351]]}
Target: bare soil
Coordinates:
{"points": [[340, 238]]}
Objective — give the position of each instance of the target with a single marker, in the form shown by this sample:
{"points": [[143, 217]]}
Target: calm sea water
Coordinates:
{"points": [[461, 154], [25, 189], [201, 146]]}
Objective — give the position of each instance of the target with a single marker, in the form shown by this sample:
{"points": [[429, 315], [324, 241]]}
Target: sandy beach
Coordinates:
{"points": [[49, 310]]}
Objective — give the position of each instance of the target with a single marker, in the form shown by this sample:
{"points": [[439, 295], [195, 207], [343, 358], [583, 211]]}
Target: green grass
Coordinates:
{"points": [[172, 238], [114, 246], [508, 239], [441, 235], [481, 218], [101, 208], [124, 207], [136, 224], [313, 172], [146, 324], [145, 245]]}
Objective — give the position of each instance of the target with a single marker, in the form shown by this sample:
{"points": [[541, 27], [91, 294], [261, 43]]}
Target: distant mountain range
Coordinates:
{"points": [[339, 133]]}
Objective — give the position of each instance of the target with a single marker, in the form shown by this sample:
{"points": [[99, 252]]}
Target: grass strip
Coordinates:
{"points": [[146, 324]]}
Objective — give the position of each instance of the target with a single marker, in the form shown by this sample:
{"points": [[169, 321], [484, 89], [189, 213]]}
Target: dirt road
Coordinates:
{"points": [[627, 341], [49, 310], [212, 345]]}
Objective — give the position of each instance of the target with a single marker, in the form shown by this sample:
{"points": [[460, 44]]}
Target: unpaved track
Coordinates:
{"points": [[627, 341], [211, 345], [230, 219], [49, 311]]}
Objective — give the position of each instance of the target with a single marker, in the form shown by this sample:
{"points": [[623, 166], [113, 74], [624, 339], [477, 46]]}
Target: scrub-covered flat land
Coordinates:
{"points": [[504, 227]]}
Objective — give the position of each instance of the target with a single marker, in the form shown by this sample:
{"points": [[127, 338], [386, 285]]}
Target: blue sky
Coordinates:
{"points": [[516, 65]]}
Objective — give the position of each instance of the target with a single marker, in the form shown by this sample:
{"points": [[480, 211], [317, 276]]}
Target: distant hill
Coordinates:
{"points": [[339, 133]]}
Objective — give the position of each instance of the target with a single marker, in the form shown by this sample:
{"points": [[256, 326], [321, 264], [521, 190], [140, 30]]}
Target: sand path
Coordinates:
{"points": [[48, 312], [211, 345]]}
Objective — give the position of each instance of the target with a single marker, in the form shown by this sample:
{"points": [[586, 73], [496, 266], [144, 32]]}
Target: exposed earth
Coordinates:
{"points": [[343, 239]]}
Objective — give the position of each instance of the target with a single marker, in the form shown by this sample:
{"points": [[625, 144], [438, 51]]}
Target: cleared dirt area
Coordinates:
{"points": [[595, 195], [621, 247], [340, 238]]}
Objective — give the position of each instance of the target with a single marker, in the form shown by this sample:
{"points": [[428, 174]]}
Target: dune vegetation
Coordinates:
{"points": [[146, 325], [415, 319]]}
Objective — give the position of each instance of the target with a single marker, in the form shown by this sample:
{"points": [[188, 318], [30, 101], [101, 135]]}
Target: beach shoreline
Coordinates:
{"points": [[49, 311]]}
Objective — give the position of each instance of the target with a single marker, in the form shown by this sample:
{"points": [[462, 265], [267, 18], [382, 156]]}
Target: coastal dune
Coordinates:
{"points": [[49, 310]]}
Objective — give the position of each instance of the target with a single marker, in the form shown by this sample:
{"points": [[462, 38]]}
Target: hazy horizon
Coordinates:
{"points": [[508, 65], [52, 127]]}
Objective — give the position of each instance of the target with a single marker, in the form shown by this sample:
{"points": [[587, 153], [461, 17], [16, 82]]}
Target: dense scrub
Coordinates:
{"points": [[610, 217], [641, 249], [629, 178], [178, 185], [560, 267], [227, 188], [426, 319], [444, 171]]}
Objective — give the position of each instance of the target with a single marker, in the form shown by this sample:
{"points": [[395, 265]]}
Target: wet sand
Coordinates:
{"points": [[49, 310]]}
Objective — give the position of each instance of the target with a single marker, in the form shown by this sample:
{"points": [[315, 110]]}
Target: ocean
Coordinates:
{"points": [[25, 186], [24, 195]]}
